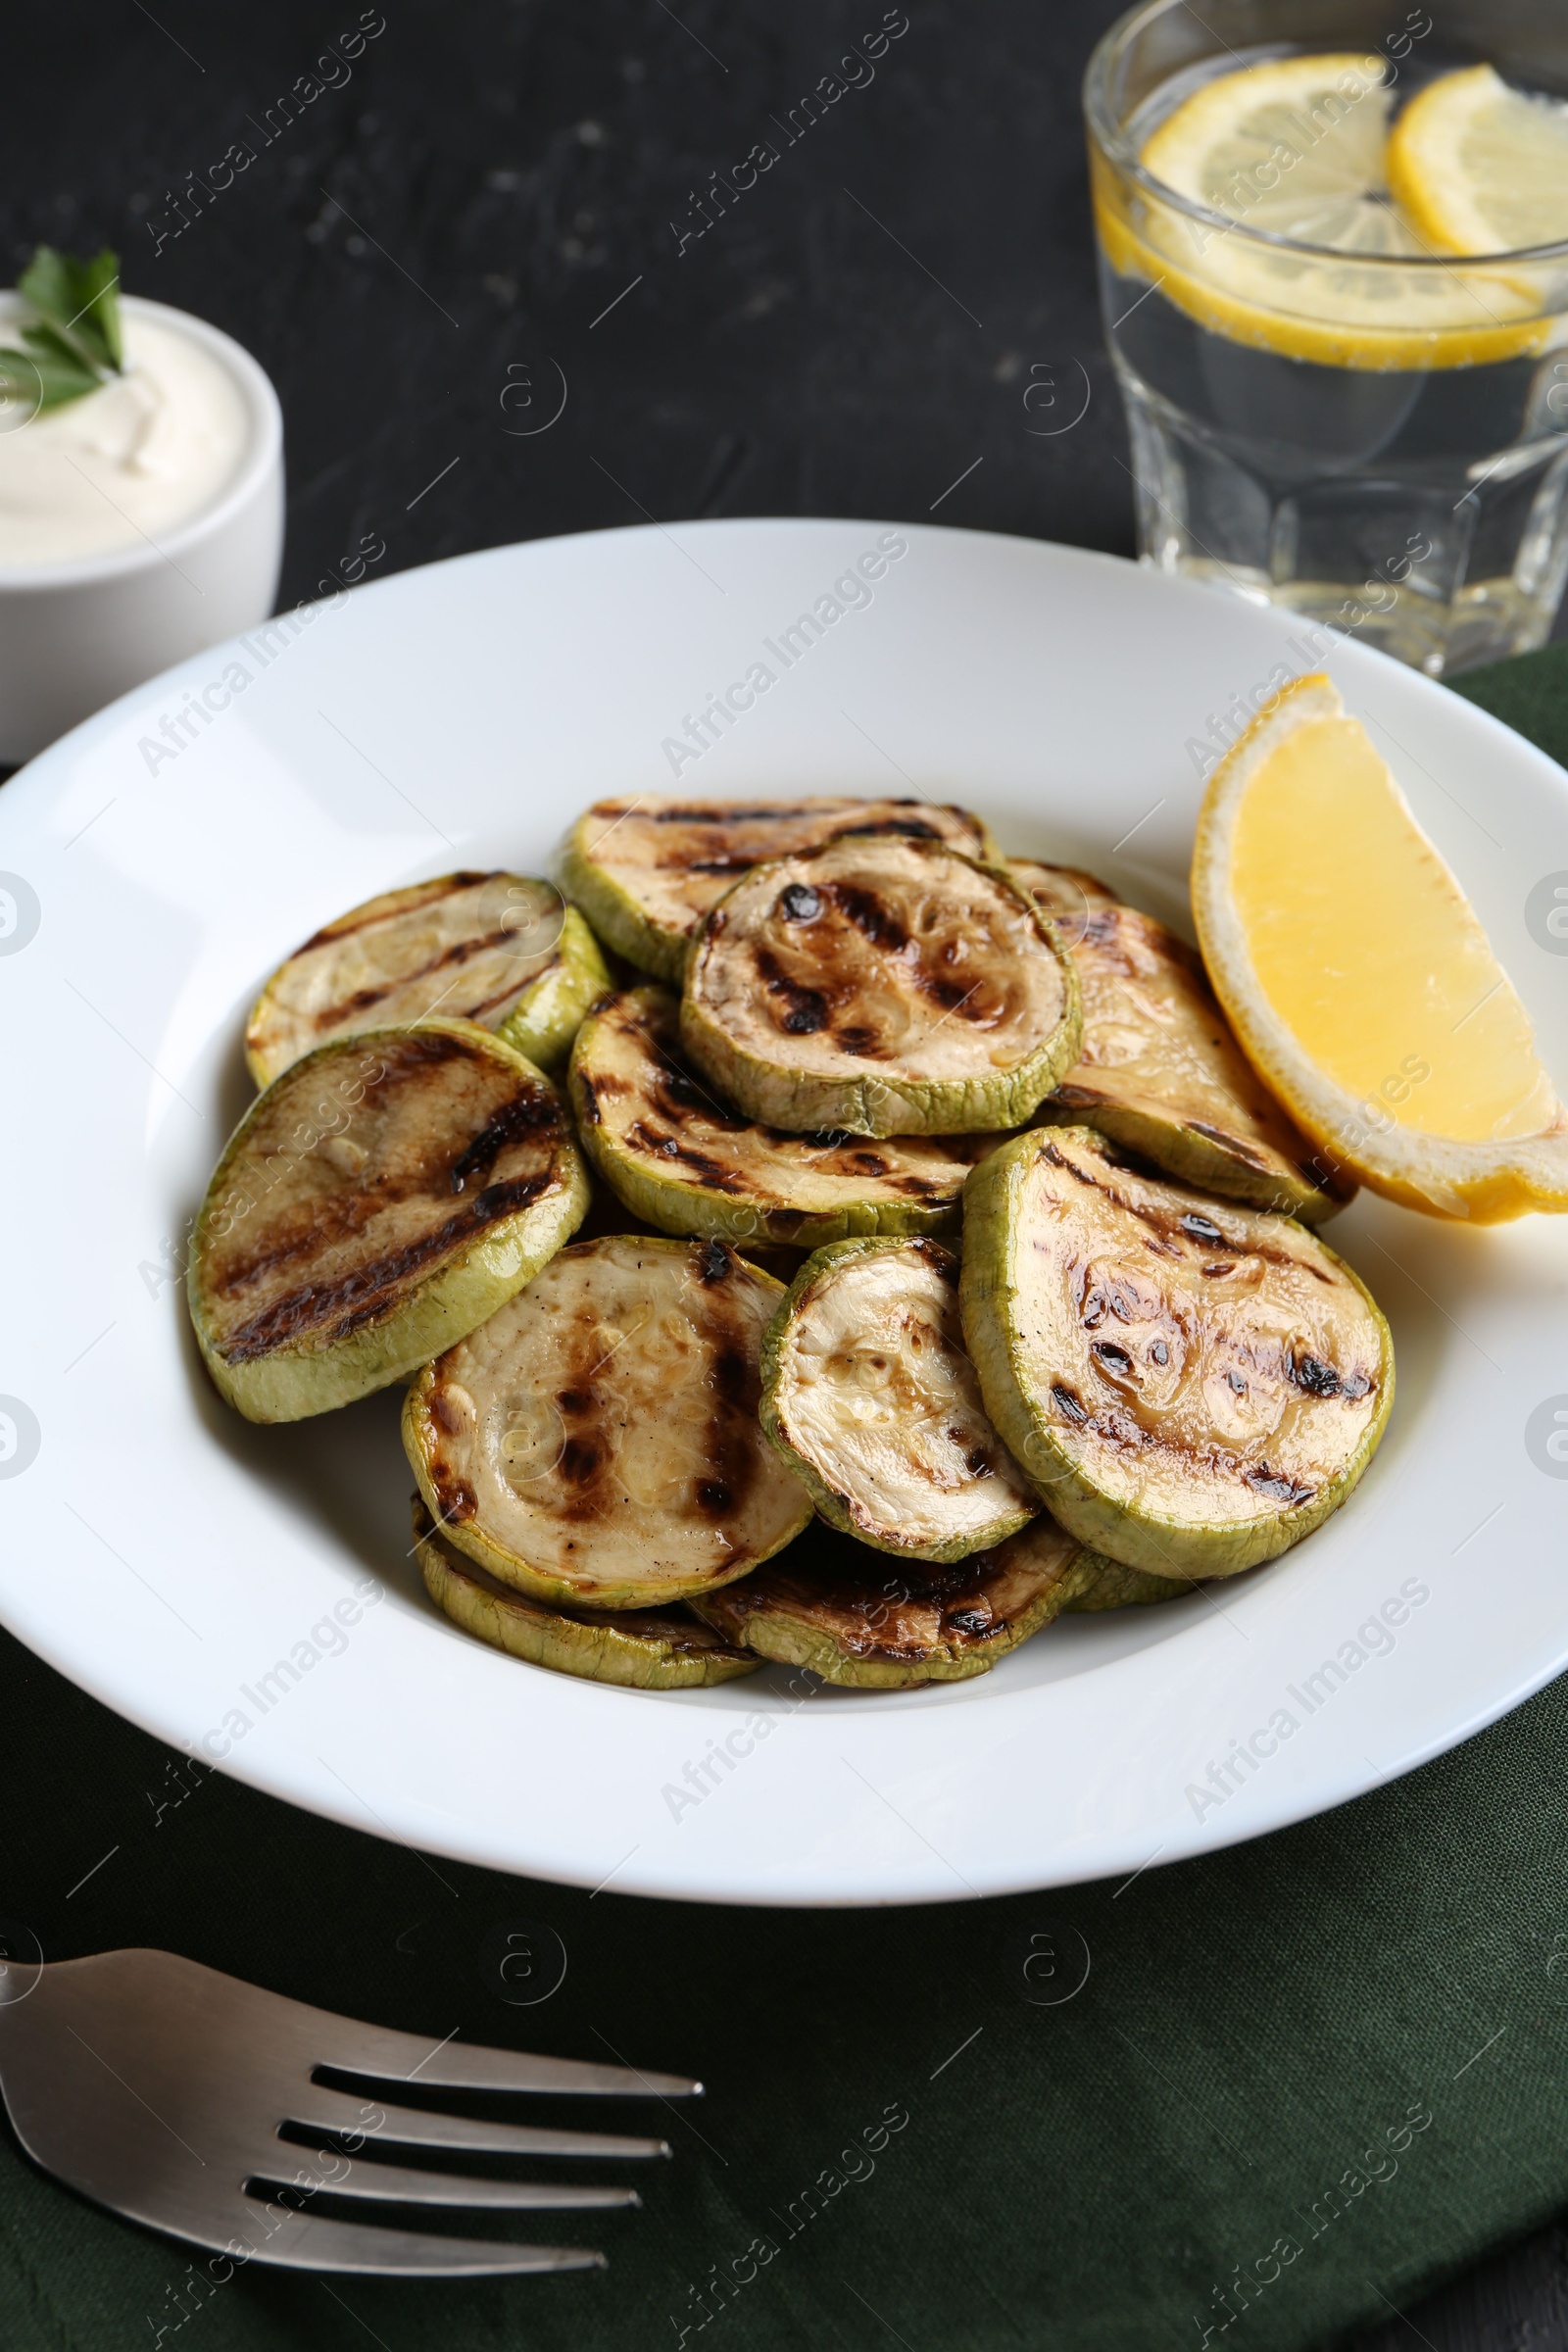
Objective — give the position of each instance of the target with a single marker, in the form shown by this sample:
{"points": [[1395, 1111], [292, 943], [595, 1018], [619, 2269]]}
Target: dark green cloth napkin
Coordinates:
{"points": [[1304, 2080]]}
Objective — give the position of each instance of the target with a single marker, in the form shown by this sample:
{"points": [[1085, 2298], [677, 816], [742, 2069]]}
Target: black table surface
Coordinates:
{"points": [[431, 221]]}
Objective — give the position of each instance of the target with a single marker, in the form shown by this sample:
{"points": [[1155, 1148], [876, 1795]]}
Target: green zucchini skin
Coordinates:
{"points": [[613, 911], [368, 1320], [830, 1605], [1113, 1587], [641, 1649], [550, 1012], [1169, 1143], [1035, 1382], [650, 907], [875, 935], [679, 1157], [848, 1503]]}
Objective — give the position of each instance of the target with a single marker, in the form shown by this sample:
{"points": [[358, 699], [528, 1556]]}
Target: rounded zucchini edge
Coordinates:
{"points": [[292, 1383], [677, 1207], [508, 1567], [651, 1656], [1115, 1587], [769, 1618], [778, 1095], [677, 1204], [832, 1504], [257, 1066], [803, 1104], [784, 1640], [546, 1018], [614, 914], [1162, 1547], [1171, 1145]]}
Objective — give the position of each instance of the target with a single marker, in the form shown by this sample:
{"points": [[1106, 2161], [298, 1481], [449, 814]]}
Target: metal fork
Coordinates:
{"points": [[160, 2088]]}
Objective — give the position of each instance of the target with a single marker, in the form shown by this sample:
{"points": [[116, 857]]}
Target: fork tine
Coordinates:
{"points": [[322, 2110], [313, 2242], [471, 2065], [398, 2185]]}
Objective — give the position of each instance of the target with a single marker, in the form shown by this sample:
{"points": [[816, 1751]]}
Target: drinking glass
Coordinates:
{"points": [[1377, 440]]}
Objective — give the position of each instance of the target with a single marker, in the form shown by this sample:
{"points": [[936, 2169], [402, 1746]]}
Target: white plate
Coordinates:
{"points": [[166, 1555]]}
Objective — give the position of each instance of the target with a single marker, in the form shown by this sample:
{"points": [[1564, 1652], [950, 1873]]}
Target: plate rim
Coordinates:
{"points": [[273, 1774]]}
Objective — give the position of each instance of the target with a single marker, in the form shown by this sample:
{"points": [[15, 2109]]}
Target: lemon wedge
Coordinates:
{"points": [[1295, 148], [1357, 976], [1480, 168]]}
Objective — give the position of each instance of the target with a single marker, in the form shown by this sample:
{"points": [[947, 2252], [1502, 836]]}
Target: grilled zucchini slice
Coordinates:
{"points": [[379, 1199], [1192, 1385], [678, 1157], [645, 1649], [828, 1604], [647, 867], [502, 950], [1068, 895], [596, 1443], [1158, 1069], [869, 1397], [886, 986]]}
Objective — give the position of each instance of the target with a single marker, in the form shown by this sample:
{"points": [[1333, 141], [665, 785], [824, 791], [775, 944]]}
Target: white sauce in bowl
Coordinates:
{"points": [[125, 465]]}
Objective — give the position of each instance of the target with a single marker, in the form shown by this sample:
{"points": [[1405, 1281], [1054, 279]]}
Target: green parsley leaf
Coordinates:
{"points": [[75, 344], [79, 300], [46, 374]]}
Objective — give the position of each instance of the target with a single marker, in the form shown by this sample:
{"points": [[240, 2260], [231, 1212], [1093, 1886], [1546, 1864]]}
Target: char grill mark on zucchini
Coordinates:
{"points": [[383, 1196], [1159, 1071], [644, 1649], [885, 988], [675, 1153], [870, 1399], [870, 1624], [1192, 1385], [596, 1443], [647, 869], [410, 1086], [496, 949]]}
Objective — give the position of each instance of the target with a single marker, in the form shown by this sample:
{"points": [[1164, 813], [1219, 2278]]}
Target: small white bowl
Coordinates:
{"points": [[75, 636]]}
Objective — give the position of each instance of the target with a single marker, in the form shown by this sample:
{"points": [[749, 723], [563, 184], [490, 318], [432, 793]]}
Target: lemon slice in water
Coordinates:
{"points": [[1480, 168], [1295, 148], [1358, 978]]}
